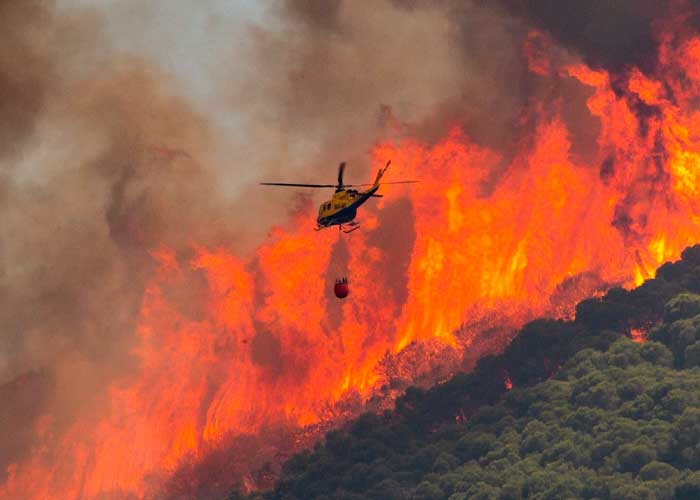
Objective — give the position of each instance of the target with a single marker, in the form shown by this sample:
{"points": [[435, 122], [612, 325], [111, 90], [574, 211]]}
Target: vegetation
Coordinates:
{"points": [[591, 414]]}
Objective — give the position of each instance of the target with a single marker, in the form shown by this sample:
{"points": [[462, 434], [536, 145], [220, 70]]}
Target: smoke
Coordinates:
{"points": [[127, 127], [102, 161], [24, 60], [23, 63], [330, 76], [606, 34], [433, 65]]}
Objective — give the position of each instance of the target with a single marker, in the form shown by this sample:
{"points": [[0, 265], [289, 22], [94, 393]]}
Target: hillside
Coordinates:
{"points": [[571, 409]]}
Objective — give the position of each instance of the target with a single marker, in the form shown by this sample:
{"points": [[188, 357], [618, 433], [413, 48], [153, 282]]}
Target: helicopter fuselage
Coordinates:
{"points": [[342, 208]]}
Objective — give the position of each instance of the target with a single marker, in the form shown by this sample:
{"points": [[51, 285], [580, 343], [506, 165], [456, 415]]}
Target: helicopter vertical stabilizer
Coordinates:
{"points": [[381, 173]]}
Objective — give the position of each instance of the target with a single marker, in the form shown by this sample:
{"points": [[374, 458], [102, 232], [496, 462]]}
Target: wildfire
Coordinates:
{"points": [[639, 336], [269, 344]]}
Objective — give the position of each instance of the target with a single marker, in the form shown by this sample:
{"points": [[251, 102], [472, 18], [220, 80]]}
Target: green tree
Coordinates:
{"points": [[632, 457], [682, 306], [654, 471], [691, 355], [688, 488]]}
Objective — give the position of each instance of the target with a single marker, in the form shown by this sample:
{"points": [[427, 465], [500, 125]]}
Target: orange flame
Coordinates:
{"points": [[270, 344]]}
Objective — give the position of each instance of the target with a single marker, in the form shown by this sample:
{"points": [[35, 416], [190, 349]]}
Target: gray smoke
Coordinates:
{"points": [[612, 35]]}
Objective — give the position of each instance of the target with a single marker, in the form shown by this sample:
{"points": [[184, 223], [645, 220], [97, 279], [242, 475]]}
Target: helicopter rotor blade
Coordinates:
{"points": [[382, 183], [288, 184], [341, 169]]}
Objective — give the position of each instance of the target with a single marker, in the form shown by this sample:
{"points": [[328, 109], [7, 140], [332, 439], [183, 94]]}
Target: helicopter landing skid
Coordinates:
{"points": [[353, 226]]}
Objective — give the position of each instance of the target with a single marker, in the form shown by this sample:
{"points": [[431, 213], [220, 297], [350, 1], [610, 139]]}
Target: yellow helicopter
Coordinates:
{"points": [[341, 210]]}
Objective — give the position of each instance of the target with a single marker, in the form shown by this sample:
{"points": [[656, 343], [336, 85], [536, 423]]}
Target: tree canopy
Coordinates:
{"points": [[591, 414]]}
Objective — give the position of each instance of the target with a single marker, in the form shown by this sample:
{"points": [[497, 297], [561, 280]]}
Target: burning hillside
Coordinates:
{"points": [[188, 344]]}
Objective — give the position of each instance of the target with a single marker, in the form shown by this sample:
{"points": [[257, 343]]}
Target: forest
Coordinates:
{"points": [[605, 406]]}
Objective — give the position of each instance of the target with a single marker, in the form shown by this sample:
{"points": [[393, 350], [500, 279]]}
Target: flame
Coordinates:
{"points": [[638, 335], [269, 343]]}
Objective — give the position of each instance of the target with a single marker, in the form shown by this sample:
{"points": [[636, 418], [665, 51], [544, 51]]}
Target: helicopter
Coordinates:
{"points": [[341, 210]]}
